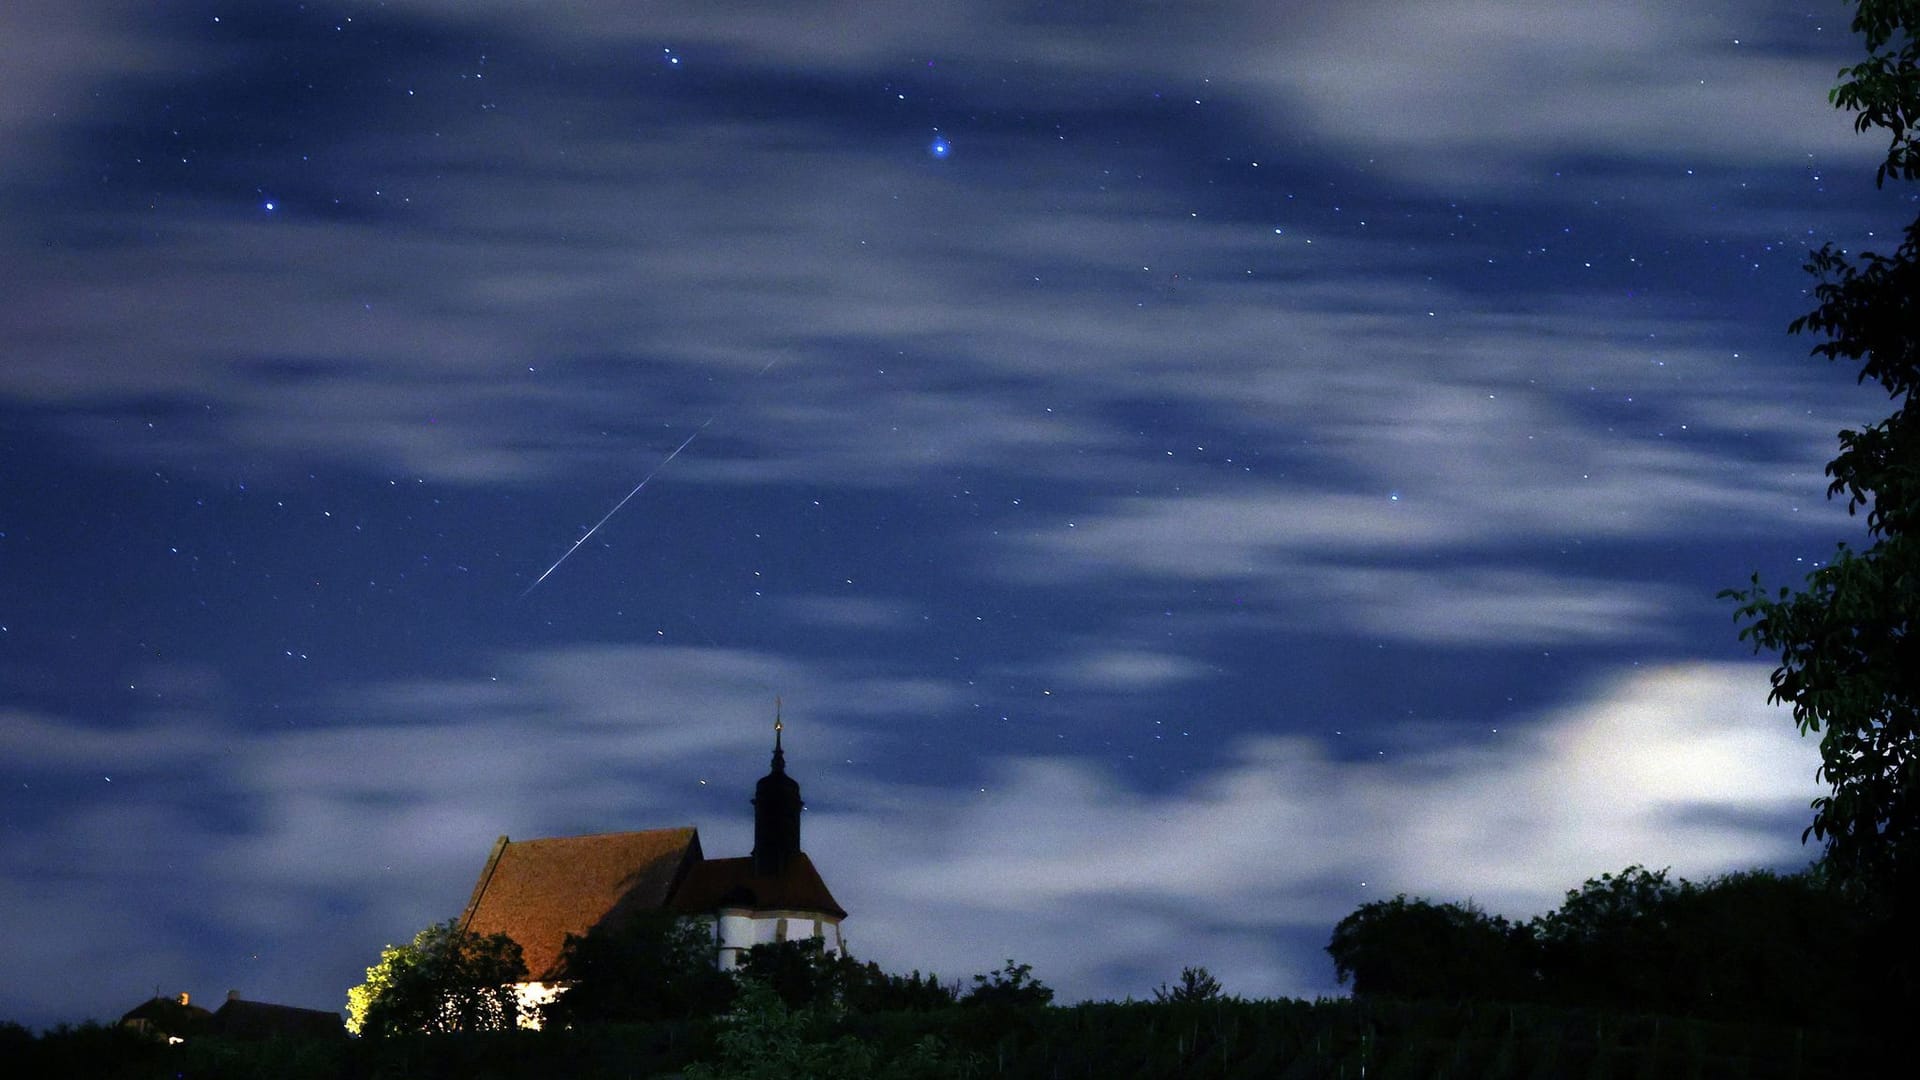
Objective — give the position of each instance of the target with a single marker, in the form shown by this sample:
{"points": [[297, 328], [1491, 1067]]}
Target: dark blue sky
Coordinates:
{"points": [[1274, 456]]}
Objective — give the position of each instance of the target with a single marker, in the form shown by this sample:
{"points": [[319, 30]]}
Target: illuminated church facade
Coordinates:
{"points": [[539, 891]]}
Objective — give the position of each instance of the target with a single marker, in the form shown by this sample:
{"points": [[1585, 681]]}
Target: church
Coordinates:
{"points": [[539, 891]]}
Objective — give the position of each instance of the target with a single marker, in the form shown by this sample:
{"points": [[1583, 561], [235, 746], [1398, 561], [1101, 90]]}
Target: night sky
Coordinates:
{"points": [[1188, 469]]}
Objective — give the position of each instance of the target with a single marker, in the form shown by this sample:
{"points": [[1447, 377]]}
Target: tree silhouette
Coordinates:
{"points": [[1013, 986], [446, 980], [647, 966], [1196, 984], [1849, 663], [1420, 949]]}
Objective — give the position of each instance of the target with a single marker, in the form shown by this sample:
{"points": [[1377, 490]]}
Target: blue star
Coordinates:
{"points": [[940, 147]]}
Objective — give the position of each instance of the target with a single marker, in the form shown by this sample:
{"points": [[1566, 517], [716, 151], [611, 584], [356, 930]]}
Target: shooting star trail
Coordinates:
{"points": [[644, 481]]}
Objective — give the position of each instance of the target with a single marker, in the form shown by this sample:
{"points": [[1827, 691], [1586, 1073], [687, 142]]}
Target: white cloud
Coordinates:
{"points": [[312, 845], [1278, 842], [997, 303], [34, 740], [1479, 92], [1453, 93], [850, 612], [55, 56], [1124, 669], [1055, 862], [1270, 532], [1482, 605]]}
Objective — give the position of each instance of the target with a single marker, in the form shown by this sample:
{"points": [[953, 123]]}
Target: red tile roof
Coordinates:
{"points": [[716, 883], [539, 891]]}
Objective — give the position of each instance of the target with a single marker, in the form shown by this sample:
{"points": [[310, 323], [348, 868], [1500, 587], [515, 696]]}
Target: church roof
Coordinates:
{"points": [[539, 891], [716, 883]]}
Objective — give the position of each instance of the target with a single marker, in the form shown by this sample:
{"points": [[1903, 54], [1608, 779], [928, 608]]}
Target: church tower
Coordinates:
{"points": [[776, 813], [541, 892]]}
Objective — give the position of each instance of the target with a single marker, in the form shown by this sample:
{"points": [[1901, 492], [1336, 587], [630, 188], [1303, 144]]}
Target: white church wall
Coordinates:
{"points": [[736, 932], [740, 930], [530, 996]]}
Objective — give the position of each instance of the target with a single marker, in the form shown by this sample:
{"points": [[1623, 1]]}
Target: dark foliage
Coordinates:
{"points": [[1744, 947], [1884, 89], [1849, 664], [14, 1039], [1011, 987], [1612, 941], [1358, 1037], [652, 966], [90, 1049], [1754, 946], [764, 1039], [805, 976], [867, 989], [1374, 1037], [446, 980], [1196, 984], [1419, 949], [802, 973]]}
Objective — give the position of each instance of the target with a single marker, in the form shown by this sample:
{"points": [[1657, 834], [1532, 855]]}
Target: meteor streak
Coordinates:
{"points": [[644, 481], [588, 535]]}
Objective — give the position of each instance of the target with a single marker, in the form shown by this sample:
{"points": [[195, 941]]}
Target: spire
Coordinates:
{"points": [[776, 810], [779, 755]]}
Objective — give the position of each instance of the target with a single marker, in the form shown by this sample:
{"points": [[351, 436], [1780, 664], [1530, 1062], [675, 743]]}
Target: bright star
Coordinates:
{"points": [[940, 148], [268, 206]]}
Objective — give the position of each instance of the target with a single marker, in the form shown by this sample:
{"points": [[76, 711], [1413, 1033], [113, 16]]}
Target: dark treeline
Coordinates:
{"points": [[1635, 974], [1224, 1037], [1794, 949]]}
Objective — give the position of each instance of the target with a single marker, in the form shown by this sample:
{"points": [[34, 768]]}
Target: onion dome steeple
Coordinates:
{"points": [[776, 811]]}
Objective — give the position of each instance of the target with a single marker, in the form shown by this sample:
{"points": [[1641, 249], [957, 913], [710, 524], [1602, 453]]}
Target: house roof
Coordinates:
{"points": [[168, 1016], [539, 891], [718, 883], [241, 1019]]}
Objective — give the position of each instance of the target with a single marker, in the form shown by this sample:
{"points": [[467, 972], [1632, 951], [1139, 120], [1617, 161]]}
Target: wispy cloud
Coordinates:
{"points": [[1477, 606], [405, 319], [1058, 863], [1459, 93], [1052, 860], [1482, 92]]}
